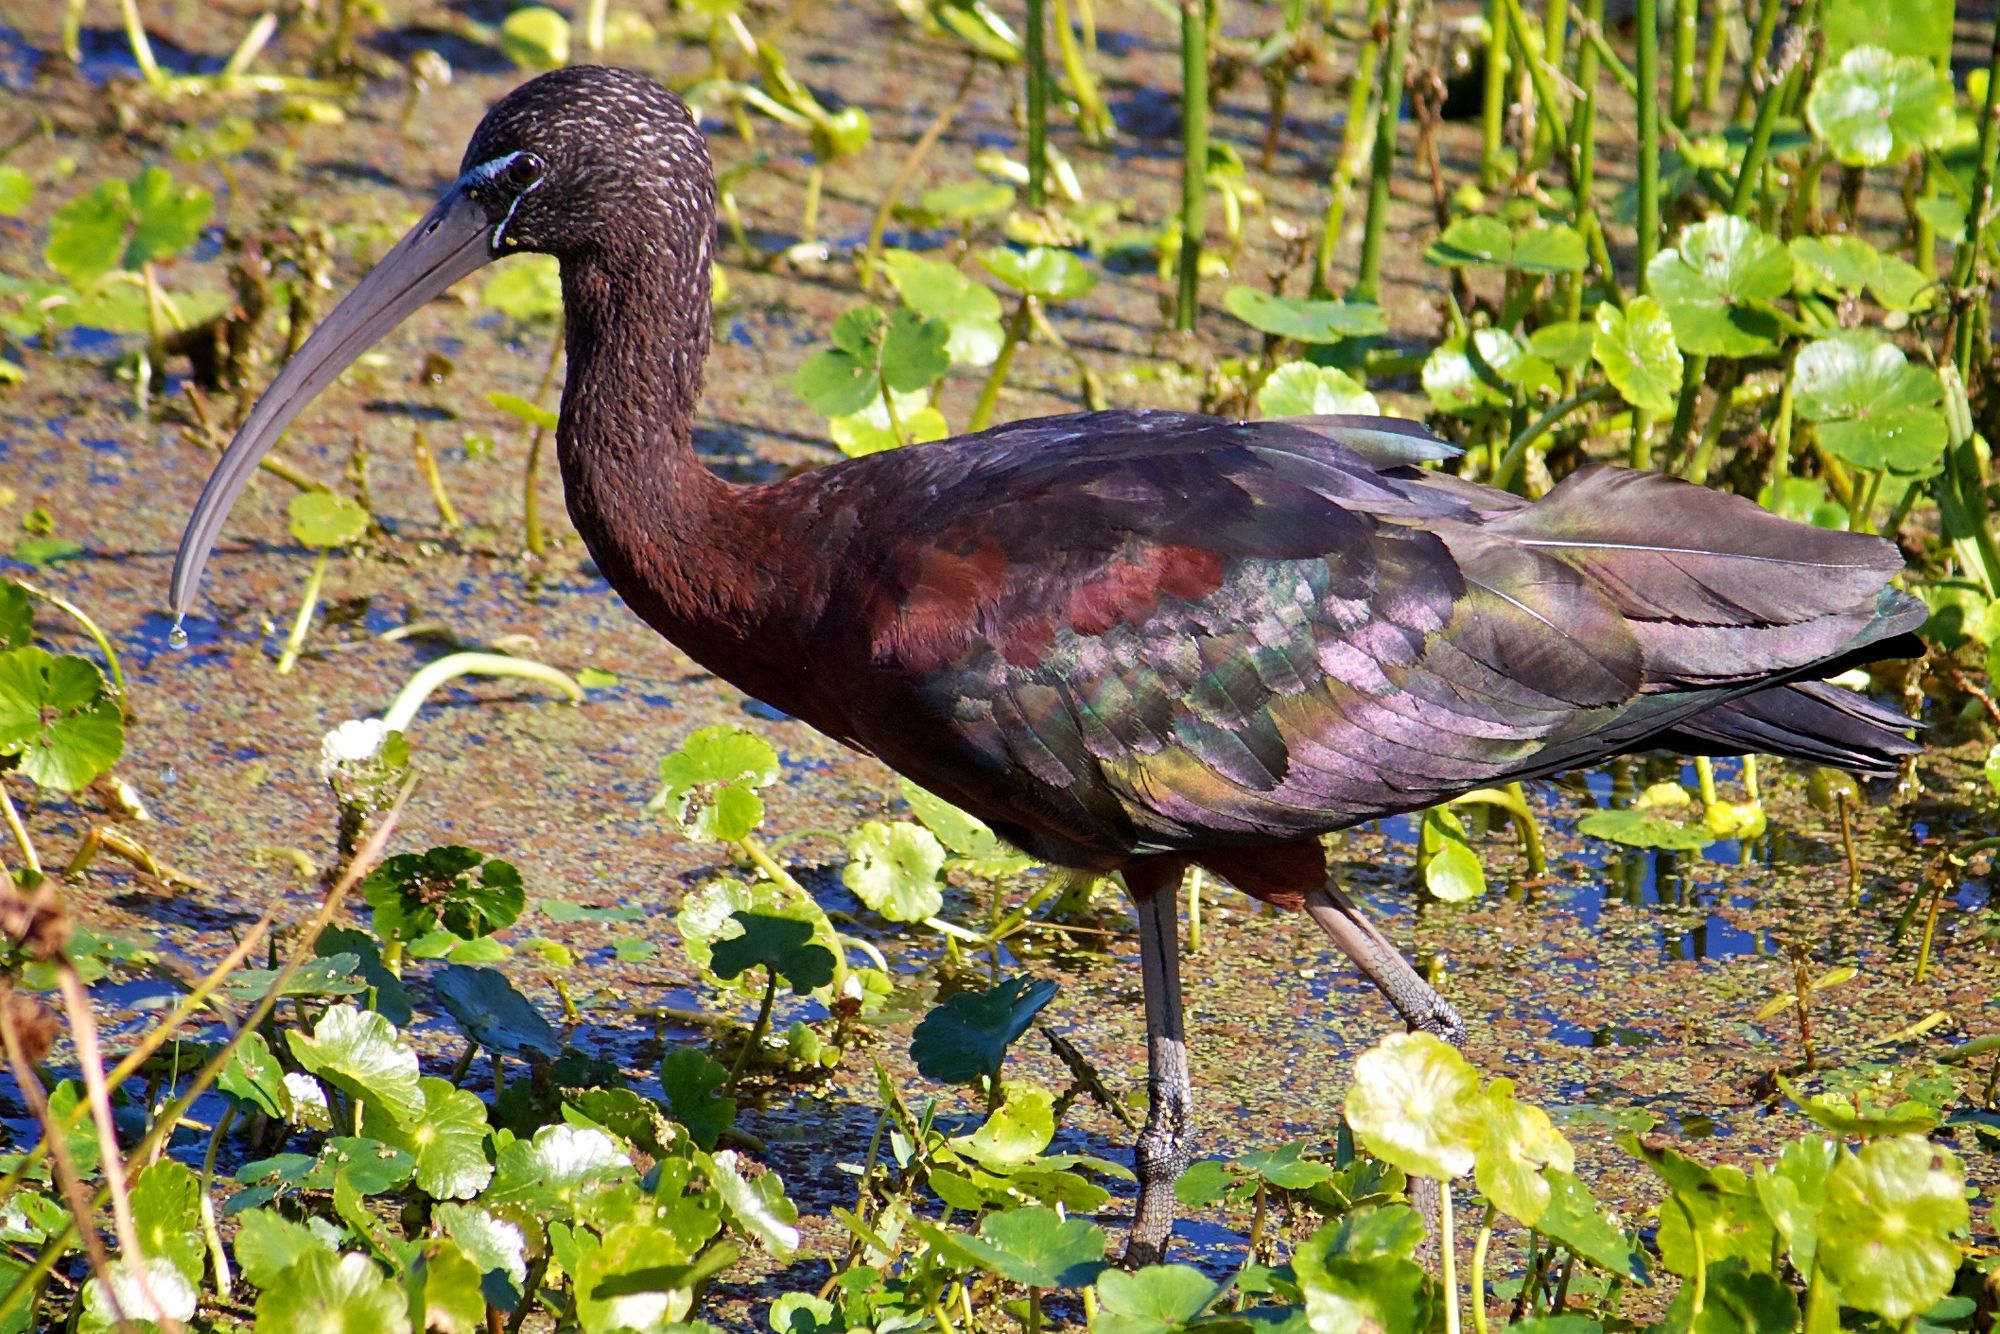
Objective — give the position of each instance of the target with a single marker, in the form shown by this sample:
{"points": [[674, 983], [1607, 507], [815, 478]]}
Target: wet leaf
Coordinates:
{"points": [[1482, 242], [1885, 1231], [323, 519], [166, 217], [1043, 271], [1034, 1246], [757, 1206], [267, 1244], [967, 1037], [1636, 348], [708, 786], [493, 1014], [361, 1054], [1874, 108], [1414, 1102], [894, 869], [1305, 321], [331, 1294], [689, 1079], [253, 1076], [448, 1142], [1520, 1144], [555, 1174], [489, 1241], [940, 291], [913, 351], [1358, 1277], [535, 38], [1875, 409], [57, 720], [467, 893], [784, 945], [166, 1213], [963, 201], [1639, 829], [1573, 1218], [1014, 1132], [1792, 1190], [1153, 1300], [1301, 389], [1711, 283]]}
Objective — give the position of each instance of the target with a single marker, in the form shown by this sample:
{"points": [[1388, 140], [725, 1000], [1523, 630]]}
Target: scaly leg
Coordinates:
{"points": [[1162, 1151], [1416, 1000]]}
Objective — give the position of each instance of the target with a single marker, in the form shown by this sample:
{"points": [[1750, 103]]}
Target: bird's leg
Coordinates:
{"points": [[1162, 1151], [1416, 1000]]}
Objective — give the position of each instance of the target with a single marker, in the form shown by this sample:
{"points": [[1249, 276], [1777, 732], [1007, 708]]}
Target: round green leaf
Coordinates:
{"points": [[1015, 1131], [166, 217], [1301, 389], [1152, 1300], [708, 785], [1710, 283], [1481, 242], [940, 291], [448, 1142], [87, 235], [555, 1174], [1038, 1247], [360, 1053], [493, 1014], [1454, 383], [1043, 271], [166, 1212], [1415, 1103], [1885, 1231], [1875, 108], [894, 869], [535, 38], [913, 351], [782, 945], [324, 1293], [1305, 321], [326, 519], [1636, 348], [968, 1035], [1520, 1143], [526, 288], [759, 1206], [963, 201], [267, 1244], [56, 719], [1875, 409], [489, 1241], [1639, 829]]}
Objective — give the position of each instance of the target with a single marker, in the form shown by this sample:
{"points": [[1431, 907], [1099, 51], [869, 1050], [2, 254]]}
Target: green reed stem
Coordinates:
{"points": [[1037, 61], [1648, 98], [1493, 112], [1356, 130], [1367, 280], [1194, 157], [1687, 36], [1713, 62], [295, 642], [1965, 264], [1760, 54]]}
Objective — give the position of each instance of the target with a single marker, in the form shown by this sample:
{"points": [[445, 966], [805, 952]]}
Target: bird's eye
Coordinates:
{"points": [[520, 171]]}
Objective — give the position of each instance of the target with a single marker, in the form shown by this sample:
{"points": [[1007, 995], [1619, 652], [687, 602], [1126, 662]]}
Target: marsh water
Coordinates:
{"points": [[1620, 990]]}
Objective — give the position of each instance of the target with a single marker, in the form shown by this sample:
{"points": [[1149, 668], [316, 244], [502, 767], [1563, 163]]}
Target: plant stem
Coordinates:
{"points": [[1966, 262], [1448, 1258], [1356, 129], [933, 132], [1478, 1275], [531, 504], [1036, 58], [403, 708], [1194, 157], [989, 393], [1493, 108], [1648, 98], [593, 27], [217, 1256], [1368, 278], [1195, 879], [142, 46], [427, 465], [1687, 33], [758, 1029], [18, 830], [288, 657]]}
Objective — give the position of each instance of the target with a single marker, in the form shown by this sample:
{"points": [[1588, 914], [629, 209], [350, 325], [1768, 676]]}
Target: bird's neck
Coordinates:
{"points": [[678, 543]]}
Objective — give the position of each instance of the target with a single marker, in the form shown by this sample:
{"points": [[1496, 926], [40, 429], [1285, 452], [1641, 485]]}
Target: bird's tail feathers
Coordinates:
{"points": [[1805, 720]]}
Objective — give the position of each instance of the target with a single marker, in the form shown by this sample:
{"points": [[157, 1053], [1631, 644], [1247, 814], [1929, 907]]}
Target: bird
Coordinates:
{"points": [[1130, 641]]}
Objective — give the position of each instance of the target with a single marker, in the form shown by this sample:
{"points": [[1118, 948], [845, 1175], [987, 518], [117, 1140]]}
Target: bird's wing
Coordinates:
{"points": [[1112, 634]]}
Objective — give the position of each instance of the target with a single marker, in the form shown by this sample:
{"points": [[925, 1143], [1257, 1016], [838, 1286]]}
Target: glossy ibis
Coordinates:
{"points": [[1131, 641]]}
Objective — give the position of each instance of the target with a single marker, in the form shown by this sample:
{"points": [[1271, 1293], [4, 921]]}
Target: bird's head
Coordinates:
{"points": [[583, 163]]}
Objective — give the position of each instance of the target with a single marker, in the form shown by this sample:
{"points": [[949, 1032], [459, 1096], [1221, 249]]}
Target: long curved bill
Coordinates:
{"points": [[449, 243]]}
